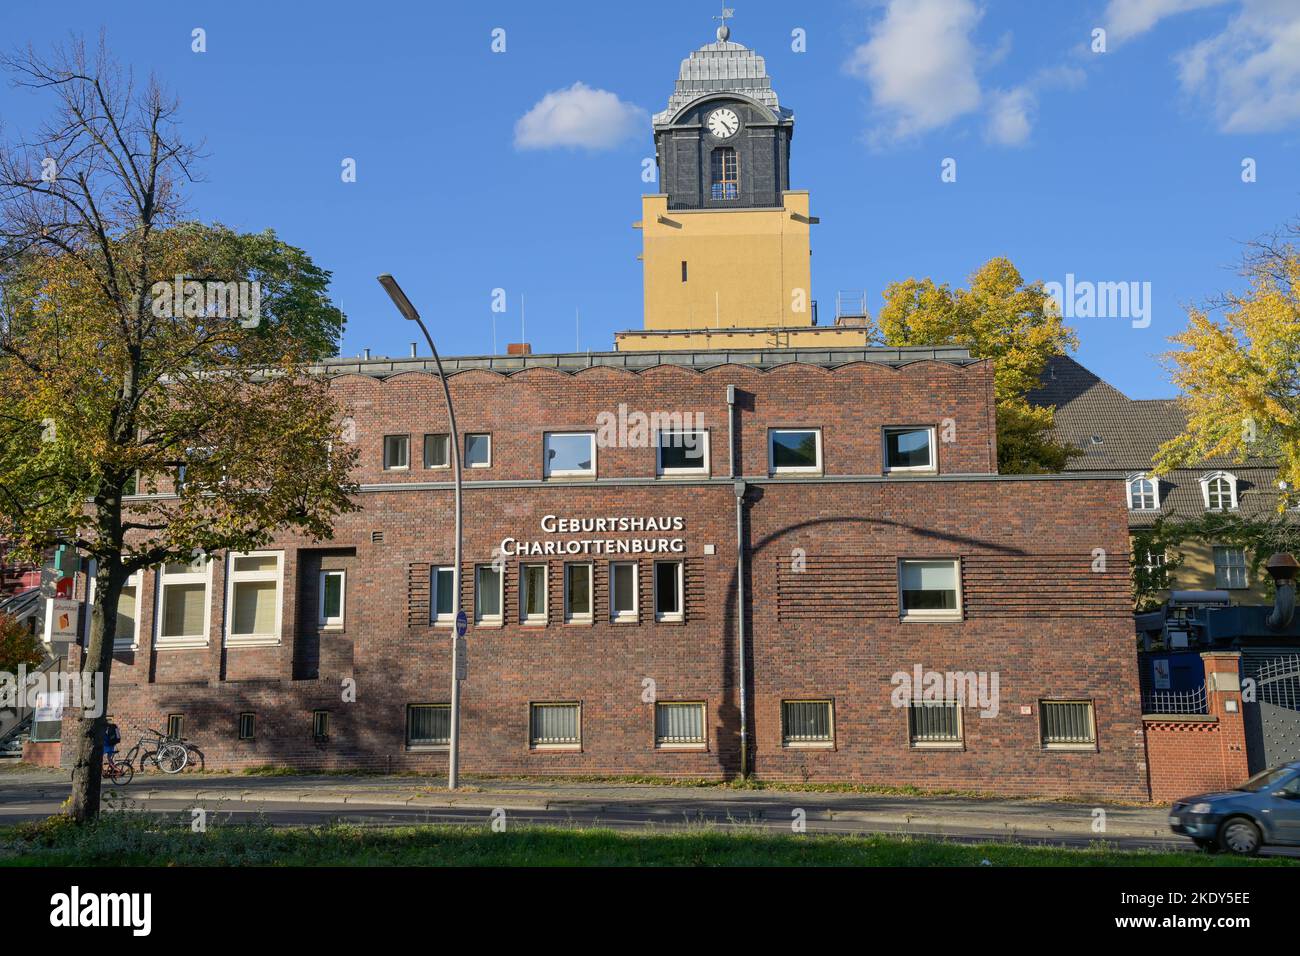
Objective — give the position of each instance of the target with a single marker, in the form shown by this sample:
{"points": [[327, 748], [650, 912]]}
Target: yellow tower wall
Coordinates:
{"points": [[745, 268]]}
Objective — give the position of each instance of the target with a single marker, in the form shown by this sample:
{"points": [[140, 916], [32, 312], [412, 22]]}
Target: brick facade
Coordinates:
{"points": [[1043, 568], [1201, 753]]}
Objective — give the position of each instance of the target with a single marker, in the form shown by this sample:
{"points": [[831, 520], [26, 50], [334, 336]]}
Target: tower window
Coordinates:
{"points": [[726, 173], [683, 270]]}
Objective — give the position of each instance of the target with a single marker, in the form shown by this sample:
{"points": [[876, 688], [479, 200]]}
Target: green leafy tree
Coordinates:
{"points": [[998, 317], [112, 391], [19, 647]]}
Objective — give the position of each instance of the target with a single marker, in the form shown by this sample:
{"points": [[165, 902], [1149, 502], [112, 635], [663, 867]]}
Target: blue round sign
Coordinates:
{"points": [[462, 624]]}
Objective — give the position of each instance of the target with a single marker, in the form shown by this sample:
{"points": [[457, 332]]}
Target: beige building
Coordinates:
{"points": [[1115, 432]]}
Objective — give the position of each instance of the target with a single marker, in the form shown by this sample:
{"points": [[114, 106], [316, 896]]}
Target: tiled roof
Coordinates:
{"points": [[1113, 431]]}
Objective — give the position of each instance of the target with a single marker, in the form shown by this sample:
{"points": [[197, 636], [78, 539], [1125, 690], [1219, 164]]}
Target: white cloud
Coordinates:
{"points": [[1009, 119], [1249, 74], [1126, 19], [920, 65], [580, 117]]}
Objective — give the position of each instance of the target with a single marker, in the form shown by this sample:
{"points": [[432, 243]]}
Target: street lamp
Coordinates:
{"points": [[409, 312]]}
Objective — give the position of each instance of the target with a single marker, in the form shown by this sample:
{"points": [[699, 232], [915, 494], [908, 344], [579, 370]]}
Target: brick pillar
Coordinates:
{"points": [[1223, 694]]}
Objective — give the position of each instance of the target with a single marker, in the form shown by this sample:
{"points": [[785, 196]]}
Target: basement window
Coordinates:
{"points": [[175, 726], [934, 724], [320, 725], [807, 723], [556, 726], [1068, 724], [247, 723], [679, 724], [428, 725]]}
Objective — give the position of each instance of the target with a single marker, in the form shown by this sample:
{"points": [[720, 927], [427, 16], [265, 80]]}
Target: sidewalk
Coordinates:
{"points": [[934, 814]]}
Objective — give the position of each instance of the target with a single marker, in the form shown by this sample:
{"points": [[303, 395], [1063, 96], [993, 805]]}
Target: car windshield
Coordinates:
{"points": [[1267, 779]]}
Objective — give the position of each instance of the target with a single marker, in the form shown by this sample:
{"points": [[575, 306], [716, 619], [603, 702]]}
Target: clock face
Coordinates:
{"points": [[723, 122]]}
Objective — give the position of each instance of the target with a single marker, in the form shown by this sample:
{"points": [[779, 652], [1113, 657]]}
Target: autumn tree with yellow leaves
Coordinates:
{"points": [[137, 426], [999, 317], [1239, 369]]}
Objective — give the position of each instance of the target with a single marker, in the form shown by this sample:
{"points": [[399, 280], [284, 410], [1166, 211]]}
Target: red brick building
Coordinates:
{"points": [[875, 542]]}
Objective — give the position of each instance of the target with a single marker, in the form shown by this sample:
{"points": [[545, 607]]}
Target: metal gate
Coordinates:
{"points": [[1273, 719]]}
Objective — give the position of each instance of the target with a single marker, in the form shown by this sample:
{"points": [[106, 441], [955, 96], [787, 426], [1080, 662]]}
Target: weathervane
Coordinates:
{"points": [[723, 32]]}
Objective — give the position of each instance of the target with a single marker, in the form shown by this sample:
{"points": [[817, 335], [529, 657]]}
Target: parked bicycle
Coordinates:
{"points": [[165, 753]]}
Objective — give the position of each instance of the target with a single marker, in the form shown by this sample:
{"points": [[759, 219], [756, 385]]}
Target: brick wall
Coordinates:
{"points": [[1193, 754], [1039, 610]]}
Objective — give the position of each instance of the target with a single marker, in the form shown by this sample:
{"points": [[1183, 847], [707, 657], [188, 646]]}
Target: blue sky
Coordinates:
{"points": [[1117, 166]]}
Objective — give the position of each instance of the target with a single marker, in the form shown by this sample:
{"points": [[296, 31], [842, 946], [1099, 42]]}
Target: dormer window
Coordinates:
{"points": [[725, 172], [1143, 493], [1219, 491]]}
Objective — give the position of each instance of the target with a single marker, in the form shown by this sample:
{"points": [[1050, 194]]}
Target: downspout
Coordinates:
{"points": [[731, 431], [739, 487]]}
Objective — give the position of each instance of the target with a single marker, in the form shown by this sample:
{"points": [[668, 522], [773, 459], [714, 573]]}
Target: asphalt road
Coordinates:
{"points": [[37, 799]]}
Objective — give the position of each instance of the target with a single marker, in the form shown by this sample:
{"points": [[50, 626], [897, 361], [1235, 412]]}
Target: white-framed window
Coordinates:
{"points": [[333, 595], [793, 451], [1067, 724], [253, 597], [669, 601], [442, 593], [437, 451], [807, 723], [569, 455], [623, 591], [577, 593], [910, 449], [397, 452], [555, 726], [127, 635], [1230, 568], [929, 590], [184, 599], [478, 450], [1219, 490], [532, 594], [489, 594], [934, 724], [682, 452], [1143, 492], [428, 726], [680, 724]]}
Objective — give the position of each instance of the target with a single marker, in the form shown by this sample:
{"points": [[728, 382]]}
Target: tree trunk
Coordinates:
{"points": [[87, 770]]}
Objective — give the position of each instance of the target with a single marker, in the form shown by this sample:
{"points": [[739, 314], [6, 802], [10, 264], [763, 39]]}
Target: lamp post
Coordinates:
{"points": [[409, 312]]}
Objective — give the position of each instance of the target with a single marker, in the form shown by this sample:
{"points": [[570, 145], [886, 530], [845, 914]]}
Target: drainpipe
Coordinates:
{"points": [[739, 487], [731, 431]]}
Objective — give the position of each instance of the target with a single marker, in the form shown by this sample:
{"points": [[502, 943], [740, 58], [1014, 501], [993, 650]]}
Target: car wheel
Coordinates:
{"points": [[1209, 846], [1240, 835]]}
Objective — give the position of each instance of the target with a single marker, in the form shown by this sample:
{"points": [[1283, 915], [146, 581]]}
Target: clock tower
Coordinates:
{"points": [[725, 241]]}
